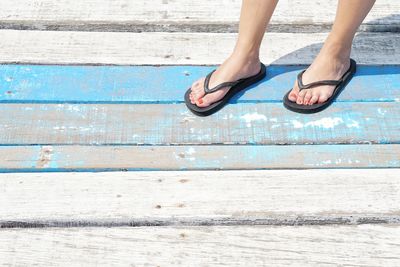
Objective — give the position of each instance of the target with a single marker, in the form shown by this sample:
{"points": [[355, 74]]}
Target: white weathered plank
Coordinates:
{"points": [[142, 198], [178, 11], [363, 245], [178, 48]]}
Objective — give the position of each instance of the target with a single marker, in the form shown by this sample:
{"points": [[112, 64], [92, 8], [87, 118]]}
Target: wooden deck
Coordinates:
{"points": [[101, 164]]}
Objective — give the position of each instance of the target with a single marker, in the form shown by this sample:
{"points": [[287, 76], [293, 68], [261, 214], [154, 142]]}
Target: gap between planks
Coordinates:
{"points": [[139, 27], [285, 197], [266, 220]]}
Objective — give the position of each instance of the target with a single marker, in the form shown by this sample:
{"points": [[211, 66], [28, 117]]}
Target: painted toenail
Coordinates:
{"points": [[200, 101]]}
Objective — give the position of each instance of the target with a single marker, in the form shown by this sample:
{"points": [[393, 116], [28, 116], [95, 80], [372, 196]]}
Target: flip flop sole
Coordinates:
{"points": [[216, 106], [308, 109]]}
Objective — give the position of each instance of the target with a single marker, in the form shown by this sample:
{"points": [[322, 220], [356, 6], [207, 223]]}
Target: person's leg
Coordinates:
{"points": [[334, 58], [244, 61]]}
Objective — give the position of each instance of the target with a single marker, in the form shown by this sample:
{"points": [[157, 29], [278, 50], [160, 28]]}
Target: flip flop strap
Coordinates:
{"points": [[208, 90], [314, 84]]}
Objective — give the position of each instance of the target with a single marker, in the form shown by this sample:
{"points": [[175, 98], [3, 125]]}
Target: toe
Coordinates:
{"points": [[293, 94], [198, 91], [203, 102], [207, 100], [192, 99], [307, 97], [300, 97], [314, 99], [195, 93]]}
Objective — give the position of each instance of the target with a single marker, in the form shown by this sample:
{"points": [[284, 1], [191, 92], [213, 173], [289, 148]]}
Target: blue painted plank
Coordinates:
{"points": [[107, 158], [165, 124], [166, 84]]}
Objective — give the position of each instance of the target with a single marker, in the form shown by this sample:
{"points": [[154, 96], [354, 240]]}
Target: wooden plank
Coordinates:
{"points": [[166, 124], [364, 245], [216, 157], [178, 48], [211, 15], [166, 84], [280, 197]]}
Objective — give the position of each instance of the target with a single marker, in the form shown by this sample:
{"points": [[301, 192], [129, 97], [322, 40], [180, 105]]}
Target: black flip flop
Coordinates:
{"points": [[236, 87], [340, 85]]}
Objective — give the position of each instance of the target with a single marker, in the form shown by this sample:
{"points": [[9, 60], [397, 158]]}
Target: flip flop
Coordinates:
{"points": [[340, 85], [236, 87]]}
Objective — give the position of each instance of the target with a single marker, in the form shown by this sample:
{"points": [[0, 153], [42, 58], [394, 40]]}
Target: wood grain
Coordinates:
{"points": [[241, 216], [168, 124], [166, 84], [203, 157], [285, 197], [363, 245], [51, 47], [176, 15]]}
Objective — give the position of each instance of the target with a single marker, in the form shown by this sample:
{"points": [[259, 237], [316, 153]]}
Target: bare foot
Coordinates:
{"points": [[325, 67], [232, 69]]}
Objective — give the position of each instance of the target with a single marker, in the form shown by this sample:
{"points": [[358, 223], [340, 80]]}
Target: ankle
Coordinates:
{"points": [[246, 52], [338, 50], [245, 59]]}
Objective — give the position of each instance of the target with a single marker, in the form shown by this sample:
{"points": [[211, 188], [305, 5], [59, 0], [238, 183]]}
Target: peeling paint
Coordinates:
{"points": [[381, 111], [251, 117], [45, 157], [66, 84], [74, 108], [353, 124], [297, 124], [188, 117], [322, 123]]}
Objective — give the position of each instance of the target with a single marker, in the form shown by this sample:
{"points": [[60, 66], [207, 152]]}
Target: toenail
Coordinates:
{"points": [[200, 101]]}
